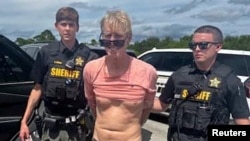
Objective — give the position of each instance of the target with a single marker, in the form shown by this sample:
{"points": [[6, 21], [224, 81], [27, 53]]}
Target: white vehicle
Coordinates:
{"points": [[166, 61]]}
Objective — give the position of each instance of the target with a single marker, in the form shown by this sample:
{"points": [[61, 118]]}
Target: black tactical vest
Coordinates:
{"points": [[63, 82], [204, 107]]}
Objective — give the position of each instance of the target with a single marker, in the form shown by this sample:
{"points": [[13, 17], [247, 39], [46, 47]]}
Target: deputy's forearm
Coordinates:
{"points": [[32, 102], [159, 106]]}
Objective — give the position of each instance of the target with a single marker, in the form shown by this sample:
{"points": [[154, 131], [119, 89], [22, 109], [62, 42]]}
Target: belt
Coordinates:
{"points": [[62, 119]]}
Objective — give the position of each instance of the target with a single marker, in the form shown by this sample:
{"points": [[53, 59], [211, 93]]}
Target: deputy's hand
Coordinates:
{"points": [[24, 132]]}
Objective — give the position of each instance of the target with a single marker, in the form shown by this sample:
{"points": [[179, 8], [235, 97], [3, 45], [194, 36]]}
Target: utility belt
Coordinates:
{"points": [[71, 122], [52, 121], [83, 121]]}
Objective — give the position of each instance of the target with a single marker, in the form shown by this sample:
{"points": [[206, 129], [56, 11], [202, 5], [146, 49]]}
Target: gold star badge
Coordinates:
{"points": [[214, 82], [79, 61]]}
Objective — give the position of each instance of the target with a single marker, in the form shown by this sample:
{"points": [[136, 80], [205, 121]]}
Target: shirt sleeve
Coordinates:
{"points": [[167, 93], [152, 87], [88, 86], [236, 98], [39, 68]]}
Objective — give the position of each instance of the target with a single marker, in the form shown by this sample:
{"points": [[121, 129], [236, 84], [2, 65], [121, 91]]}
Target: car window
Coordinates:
{"points": [[32, 51], [167, 61], [171, 61], [239, 63], [9, 70]]}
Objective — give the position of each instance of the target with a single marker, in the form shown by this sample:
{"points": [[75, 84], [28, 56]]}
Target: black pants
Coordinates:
{"points": [[186, 134]]}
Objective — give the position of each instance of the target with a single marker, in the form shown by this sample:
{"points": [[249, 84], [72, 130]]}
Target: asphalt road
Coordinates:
{"points": [[155, 129]]}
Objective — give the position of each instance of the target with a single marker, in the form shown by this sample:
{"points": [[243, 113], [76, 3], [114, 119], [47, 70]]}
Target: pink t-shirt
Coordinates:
{"points": [[137, 83]]}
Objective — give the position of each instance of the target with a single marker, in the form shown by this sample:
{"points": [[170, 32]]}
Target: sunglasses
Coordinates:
{"points": [[107, 43], [201, 45]]}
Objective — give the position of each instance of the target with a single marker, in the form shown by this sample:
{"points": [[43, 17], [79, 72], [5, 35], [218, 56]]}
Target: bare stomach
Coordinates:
{"points": [[118, 120]]}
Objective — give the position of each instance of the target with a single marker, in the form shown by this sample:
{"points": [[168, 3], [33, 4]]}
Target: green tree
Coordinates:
{"points": [[46, 35], [93, 42], [145, 45], [21, 41], [165, 42], [241, 42]]}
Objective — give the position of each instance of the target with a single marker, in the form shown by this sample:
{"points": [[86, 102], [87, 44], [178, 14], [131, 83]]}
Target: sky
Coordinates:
{"points": [[150, 18]]}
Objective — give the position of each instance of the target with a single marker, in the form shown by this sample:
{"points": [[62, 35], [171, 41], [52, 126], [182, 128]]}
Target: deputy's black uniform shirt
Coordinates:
{"points": [[41, 64], [234, 95]]}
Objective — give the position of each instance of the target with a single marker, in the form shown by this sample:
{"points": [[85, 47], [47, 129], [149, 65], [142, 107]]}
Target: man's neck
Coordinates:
{"points": [[69, 44], [118, 63], [117, 67], [205, 66]]}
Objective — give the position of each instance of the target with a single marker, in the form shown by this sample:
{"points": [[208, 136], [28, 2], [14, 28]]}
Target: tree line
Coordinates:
{"points": [[241, 42]]}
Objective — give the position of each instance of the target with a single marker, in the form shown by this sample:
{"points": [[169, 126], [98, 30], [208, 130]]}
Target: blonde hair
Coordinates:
{"points": [[117, 19]]}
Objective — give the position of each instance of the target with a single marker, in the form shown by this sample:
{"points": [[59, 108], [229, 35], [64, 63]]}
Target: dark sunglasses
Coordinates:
{"points": [[201, 45], [107, 43]]}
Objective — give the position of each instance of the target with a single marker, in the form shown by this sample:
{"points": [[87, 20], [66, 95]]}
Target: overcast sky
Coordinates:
{"points": [[160, 18]]}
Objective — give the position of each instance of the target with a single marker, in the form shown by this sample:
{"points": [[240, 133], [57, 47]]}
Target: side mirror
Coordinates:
{"points": [[247, 87]]}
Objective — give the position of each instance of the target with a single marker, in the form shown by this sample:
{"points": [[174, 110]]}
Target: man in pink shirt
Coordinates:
{"points": [[120, 89]]}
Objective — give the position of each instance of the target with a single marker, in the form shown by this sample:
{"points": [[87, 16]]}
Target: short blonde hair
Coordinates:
{"points": [[117, 19]]}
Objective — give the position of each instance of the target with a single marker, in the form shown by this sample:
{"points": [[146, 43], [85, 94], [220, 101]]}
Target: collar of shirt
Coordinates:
{"points": [[64, 49], [123, 77], [194, 69]]}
